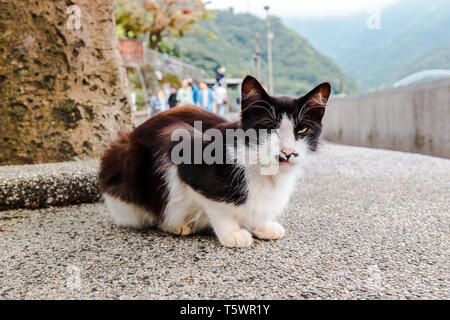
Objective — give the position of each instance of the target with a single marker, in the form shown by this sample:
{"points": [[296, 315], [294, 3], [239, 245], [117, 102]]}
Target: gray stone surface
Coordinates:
{"points": [[44, 185], [363, 223]]}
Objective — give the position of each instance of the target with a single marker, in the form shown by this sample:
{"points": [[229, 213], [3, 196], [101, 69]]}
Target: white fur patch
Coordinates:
{"points": [[286, 134], [126, 214], [181, 207]]}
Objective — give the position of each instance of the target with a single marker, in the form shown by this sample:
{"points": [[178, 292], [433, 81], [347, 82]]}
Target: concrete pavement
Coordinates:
{"points": [[364, 223]]}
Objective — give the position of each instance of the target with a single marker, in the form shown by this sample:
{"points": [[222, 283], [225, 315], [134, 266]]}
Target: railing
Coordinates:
{"points": [[423, 75], [135, 53], [171, 64]]}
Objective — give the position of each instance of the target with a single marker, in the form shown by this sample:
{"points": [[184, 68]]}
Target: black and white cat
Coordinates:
{"points": [[143, 186]]}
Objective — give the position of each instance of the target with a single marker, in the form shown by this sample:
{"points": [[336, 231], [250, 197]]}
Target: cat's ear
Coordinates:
{"points": [[252, 92], [316, 100], [318, 96]]}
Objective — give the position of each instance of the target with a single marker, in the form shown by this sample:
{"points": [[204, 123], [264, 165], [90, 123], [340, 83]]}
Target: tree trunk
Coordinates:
{"points": [[63, 91]]}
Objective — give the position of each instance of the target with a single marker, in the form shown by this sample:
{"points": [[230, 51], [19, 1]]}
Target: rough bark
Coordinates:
{"points": [[63, 91]]}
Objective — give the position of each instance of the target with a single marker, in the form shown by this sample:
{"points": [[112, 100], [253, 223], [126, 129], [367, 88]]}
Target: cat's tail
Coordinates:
{"points": [[121, 181], [118, 163]]}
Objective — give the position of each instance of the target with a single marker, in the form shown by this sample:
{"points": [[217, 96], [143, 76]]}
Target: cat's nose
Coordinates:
{"points": [[287, 151]]}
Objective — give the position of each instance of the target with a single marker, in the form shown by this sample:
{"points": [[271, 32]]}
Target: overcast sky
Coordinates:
{"points": [[301, 8]]}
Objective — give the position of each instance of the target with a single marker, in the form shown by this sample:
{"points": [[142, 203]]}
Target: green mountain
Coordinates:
{"points": [[413, 37], [438, 58], [297, 66]]}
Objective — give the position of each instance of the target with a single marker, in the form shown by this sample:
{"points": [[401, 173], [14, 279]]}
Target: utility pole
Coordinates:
{"points": [[257, 58], [269, 49]]}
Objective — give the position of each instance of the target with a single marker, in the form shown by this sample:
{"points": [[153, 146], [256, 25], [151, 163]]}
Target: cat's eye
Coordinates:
{"points": [[303, 130]]}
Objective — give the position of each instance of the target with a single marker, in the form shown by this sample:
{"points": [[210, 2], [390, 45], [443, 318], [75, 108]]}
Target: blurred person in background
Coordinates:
{"points": [[194, 90], [185, 96], [206, 97], [162, 100], [154, 106], [167, 91], [221, 97], [220, 75], [173, 97]]}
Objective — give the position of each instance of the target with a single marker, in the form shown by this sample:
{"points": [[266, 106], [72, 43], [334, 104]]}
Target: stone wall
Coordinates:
{"points": [[415, 118]]}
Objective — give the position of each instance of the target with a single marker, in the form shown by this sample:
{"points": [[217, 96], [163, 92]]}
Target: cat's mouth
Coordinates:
{"points": [[282, 160], [286, 159]]}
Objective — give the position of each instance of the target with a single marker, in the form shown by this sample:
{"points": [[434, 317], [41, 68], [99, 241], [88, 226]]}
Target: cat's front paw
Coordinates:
{"points": [[237, 239], [269, 231], [184, 229]]}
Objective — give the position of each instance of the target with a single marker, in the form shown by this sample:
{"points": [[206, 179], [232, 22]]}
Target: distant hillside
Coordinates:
{"points": [[414, 36], [433, 59], [297, 66]]}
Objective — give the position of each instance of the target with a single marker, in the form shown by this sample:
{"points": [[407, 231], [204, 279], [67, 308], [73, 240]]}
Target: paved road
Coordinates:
{"points": [[363, 224]]}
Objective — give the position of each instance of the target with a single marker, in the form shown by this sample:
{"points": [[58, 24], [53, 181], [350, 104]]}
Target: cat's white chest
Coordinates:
{"points": [[268, 196]]}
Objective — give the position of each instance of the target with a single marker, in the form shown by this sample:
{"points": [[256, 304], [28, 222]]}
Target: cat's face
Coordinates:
{"points": [[288, 129]]}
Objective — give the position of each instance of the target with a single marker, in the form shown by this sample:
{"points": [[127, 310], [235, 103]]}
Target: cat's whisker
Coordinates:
{"points": [[271, 111], [263, 121]]}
